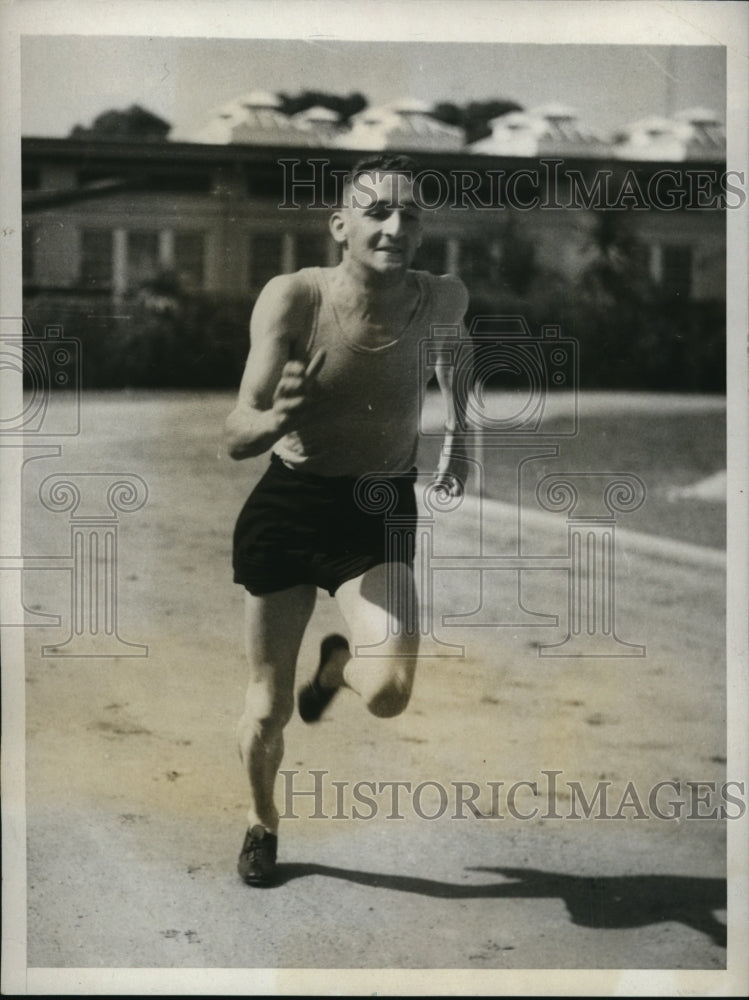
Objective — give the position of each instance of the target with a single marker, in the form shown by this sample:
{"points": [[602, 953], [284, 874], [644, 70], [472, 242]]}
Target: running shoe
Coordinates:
{"points": [[257, 859], [313, 697]]}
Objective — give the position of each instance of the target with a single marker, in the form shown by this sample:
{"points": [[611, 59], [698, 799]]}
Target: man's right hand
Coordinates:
{"points": [[275, 392], [295, 388]]}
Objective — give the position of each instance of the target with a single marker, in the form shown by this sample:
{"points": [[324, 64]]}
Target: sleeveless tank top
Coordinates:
{"points": [[364, 412]]}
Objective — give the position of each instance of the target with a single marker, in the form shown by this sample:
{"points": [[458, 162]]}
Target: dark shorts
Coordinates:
{"points": [[296, 528]]}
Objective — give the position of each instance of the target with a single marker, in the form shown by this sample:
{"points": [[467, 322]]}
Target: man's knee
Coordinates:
{"points": [[266, 712], [391, 695]]}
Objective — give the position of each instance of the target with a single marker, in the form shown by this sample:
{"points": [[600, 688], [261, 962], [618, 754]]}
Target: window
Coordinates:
{"points": [[96, 258], [265, 259], [311, 250], [142, 257], [676, 271], [189, 259]]}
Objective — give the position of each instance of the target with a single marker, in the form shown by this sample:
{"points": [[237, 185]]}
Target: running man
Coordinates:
{"points": [[332, 386]]}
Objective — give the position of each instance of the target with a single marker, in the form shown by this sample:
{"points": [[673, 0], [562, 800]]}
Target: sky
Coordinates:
{"points": [[70, 79]]}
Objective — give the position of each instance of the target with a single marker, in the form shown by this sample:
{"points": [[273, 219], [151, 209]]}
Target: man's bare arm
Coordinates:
{"points": [[276, 378], [452, 470]]}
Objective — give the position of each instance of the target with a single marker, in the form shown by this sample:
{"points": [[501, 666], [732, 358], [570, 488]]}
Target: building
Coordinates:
{"points": [[212, 207], [254, 119], [693, 134], [549, 130], [405, 124]]}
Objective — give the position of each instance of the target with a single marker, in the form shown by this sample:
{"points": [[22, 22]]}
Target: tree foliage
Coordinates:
{"points": [[475, 116], [134, 123], [345, 107]]}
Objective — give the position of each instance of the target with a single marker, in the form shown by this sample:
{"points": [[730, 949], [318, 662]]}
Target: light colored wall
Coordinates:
{"points": [[563, 238]]}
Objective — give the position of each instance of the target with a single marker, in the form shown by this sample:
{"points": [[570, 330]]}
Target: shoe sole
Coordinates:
{"points": [[314, 699]]}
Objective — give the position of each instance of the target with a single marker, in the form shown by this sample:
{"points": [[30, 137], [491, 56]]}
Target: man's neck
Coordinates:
{"points": [[364, 282]]}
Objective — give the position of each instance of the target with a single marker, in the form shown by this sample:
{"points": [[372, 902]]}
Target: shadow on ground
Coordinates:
{"points": [[607, 903]]}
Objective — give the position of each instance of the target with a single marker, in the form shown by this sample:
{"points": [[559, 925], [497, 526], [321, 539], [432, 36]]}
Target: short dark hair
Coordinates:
{"points": [[382, 163]]}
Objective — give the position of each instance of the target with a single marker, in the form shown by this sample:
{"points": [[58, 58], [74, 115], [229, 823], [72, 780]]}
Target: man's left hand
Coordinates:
{"points": [[453, 469], [450, 484]]}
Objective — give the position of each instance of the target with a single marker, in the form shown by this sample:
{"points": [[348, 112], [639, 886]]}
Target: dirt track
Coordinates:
{"points": [[136, 797]]}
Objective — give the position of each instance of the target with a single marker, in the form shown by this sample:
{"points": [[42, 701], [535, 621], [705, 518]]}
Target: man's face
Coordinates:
{"points": [[381, 222]]}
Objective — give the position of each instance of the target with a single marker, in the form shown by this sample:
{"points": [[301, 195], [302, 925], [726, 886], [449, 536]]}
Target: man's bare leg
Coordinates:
{"points": [[274, 627], [381, 611]]}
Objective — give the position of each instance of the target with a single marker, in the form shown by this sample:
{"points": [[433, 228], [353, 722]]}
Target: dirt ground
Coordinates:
{"points": [[136, 800]]}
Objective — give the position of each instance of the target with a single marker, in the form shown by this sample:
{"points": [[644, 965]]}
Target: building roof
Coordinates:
{"points": [[407, 123], [257, 119], [254, 118], [694, 133], [545, 130], [402, 124], [409, 106], [317, 114], [708, 136], [260, 99]]}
